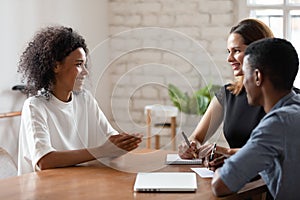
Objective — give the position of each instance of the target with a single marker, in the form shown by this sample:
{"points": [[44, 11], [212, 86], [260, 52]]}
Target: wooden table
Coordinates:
{"points": [[112, 179]]}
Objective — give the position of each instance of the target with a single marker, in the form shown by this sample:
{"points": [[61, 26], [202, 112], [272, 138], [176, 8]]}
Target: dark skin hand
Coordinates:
{"points": [[121, 144], [217, 161]]}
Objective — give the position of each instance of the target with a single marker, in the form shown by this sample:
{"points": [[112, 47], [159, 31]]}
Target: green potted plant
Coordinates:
{"points": [[194, 104]]}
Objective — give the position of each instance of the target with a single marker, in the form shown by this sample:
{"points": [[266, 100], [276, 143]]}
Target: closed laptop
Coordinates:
{"points": [[166, 182]]}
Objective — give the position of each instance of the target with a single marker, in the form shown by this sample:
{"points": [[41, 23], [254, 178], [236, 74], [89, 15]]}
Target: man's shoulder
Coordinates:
{"points": [[285, 115], [292, 104]]}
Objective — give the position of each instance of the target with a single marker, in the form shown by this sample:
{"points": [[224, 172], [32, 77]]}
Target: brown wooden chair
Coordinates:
{"points": [[167, 115]]}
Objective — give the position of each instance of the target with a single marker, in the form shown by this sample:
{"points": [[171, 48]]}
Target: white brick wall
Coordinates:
{"points": [[149, 62]]}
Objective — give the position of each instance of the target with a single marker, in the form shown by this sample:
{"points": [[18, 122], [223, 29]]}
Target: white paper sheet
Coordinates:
{"points": [[203, 172]]}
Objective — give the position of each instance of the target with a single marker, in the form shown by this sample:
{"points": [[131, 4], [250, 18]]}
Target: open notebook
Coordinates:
{"points": [[166, 182], [174, 159]]}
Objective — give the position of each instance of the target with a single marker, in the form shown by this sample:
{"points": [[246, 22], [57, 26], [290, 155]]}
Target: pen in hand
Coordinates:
{"points": [[188, 143], [211, 156]]}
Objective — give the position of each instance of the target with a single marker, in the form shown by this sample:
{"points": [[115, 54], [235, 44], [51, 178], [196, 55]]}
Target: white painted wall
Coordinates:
{"points": [[19, 20]]}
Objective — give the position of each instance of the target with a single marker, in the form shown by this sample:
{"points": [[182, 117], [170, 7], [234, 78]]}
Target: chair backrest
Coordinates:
{"points": [[162, 110], [7, 166]]}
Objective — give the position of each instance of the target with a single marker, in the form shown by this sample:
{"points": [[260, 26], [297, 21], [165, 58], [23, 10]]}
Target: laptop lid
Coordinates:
{"points": [[166, 182]]}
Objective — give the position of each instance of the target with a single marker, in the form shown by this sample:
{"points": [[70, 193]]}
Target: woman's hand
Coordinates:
{"points": [[127, 142], [188, 152], [117, 145], [205, 150]]}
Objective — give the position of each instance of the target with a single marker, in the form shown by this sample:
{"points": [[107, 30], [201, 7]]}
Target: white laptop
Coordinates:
{"points": [[166, 182]]}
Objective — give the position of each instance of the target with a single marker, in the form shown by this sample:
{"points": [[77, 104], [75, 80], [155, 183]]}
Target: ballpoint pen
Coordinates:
{"points": [[188, 143], [212, 154]]}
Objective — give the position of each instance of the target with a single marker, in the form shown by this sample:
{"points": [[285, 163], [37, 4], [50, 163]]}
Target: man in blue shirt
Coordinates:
{"points": [[270, 67]]}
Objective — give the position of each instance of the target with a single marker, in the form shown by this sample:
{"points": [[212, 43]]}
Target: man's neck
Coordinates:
{"points": [[272, 97]]}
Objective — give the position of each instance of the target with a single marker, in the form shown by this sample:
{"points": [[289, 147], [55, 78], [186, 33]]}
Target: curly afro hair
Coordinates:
{"points": [[49, 46]]}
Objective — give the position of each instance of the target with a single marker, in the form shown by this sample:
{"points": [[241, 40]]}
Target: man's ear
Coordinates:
{"points": [[258, 77]]}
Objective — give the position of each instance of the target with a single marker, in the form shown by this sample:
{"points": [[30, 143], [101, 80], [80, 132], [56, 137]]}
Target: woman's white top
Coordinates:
{"points": [[53, 125]]}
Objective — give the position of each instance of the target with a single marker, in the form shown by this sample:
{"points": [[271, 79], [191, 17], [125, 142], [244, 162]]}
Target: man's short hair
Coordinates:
{"points": [[277, 59]]}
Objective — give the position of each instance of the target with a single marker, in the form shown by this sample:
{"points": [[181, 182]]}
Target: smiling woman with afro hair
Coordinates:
{"points": [[59, 127]]}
